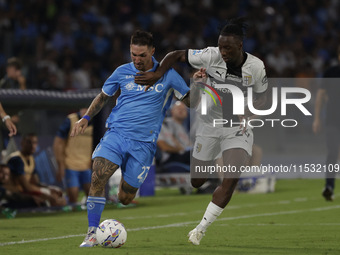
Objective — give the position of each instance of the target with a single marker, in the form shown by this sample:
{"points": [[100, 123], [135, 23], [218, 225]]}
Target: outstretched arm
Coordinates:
{"points": [[95, 107], [149, 78], [192, 99], [8, 122]]}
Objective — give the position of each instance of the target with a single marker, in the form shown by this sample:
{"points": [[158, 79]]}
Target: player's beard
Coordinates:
{"points": [[140, 67]]}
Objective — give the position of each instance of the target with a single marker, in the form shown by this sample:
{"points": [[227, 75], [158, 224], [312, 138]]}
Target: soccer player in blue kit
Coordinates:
{"points": [[133, 127]]}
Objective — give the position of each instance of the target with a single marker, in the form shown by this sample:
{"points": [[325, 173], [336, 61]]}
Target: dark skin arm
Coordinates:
{"points": [[147, 78]]}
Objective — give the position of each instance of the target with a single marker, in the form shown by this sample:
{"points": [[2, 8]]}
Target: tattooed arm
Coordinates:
{"points": [[95, 107]]}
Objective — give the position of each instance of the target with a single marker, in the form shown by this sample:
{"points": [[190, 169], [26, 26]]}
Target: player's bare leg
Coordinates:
{"points": [[198, 179], [126, 192], [222, 195], [103, 169]]}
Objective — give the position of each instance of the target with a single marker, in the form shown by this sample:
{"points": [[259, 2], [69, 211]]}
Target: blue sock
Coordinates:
{"points": [[95, 207]]}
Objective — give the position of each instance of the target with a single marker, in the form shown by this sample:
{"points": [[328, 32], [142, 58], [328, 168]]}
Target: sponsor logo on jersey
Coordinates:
{"points": [[130, 86], [157, 87]]}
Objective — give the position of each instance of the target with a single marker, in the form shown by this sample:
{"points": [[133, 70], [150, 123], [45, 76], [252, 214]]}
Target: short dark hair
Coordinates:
{"points": [[142, 38], [25, 136], [235, 27], [15, 62]]}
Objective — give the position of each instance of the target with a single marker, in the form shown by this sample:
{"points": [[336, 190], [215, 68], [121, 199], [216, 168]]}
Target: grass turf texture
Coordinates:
{"points": [[294, 220]]}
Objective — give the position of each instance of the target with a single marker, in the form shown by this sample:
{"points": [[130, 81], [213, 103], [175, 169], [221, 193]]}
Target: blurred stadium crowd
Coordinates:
{"points": [[76, 44]]}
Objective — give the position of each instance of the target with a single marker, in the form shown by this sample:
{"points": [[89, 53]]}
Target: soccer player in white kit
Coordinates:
{"points": [[225, 64]]}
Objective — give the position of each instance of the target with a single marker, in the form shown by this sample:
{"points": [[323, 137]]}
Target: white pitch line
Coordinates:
{"points": [[181, 224], [40, 240], [231, 207], [280, 224]]}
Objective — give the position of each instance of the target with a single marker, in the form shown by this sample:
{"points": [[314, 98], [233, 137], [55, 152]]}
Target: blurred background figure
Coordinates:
{"points": [[23, 175], [173, 140], [6, 119], [73, 155], [329, 94], [14, 78], [11, 201]]}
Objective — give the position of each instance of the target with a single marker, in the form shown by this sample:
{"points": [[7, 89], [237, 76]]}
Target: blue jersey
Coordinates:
{"points": [[138, 115]]}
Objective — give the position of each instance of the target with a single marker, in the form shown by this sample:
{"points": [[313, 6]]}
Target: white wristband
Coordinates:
{"points": [[45, 191], [5, 118]]}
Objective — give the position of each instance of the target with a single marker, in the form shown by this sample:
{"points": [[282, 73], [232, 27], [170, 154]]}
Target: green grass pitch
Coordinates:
{"points": [[295, 219]]}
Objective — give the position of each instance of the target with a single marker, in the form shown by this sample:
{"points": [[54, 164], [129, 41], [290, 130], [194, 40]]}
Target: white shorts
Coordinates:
{"points": [[210, 147]]}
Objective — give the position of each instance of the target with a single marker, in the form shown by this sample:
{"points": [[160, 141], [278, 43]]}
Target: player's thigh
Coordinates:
{"points": [[205, 151], [206, 148], [112, 147], [103, 169], [235, 138], [233, 159], [137, 164], [199, 172]]}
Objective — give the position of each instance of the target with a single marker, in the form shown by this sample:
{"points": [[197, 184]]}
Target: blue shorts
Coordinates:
{"points": [[133, 157], [77, 178]]}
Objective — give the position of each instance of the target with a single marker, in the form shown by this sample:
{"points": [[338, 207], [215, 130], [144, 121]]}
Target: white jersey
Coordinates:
{"points": [[251, 73]]}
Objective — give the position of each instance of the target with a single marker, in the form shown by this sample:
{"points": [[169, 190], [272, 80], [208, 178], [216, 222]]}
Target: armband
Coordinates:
{"points": [[87, 117]]}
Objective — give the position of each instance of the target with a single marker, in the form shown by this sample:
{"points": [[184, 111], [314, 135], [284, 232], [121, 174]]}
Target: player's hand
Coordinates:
{"points": [[79, 127], [244, 123], [148, 79], [200, 76], [316, 126], [11, 127]]}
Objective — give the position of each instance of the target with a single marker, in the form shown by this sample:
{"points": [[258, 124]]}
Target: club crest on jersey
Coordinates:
{"points": [[130, 86], [247, 80], [198, 147]]}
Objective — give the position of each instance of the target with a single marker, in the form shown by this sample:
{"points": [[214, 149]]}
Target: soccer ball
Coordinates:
{"points": [[111, 233]]}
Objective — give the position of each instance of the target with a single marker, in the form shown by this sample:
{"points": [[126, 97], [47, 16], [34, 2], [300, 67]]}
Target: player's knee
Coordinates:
{"points": [[196, 183], [125, 199]]}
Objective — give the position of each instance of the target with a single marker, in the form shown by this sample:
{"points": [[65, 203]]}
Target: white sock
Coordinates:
{"points": [[210, 215]]}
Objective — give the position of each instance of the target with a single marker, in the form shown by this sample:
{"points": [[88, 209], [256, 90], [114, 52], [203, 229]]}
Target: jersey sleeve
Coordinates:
{"points": [[261, 81], [178, 84], [64, 129], [111, 85], [199, 58], [16, 166]]}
